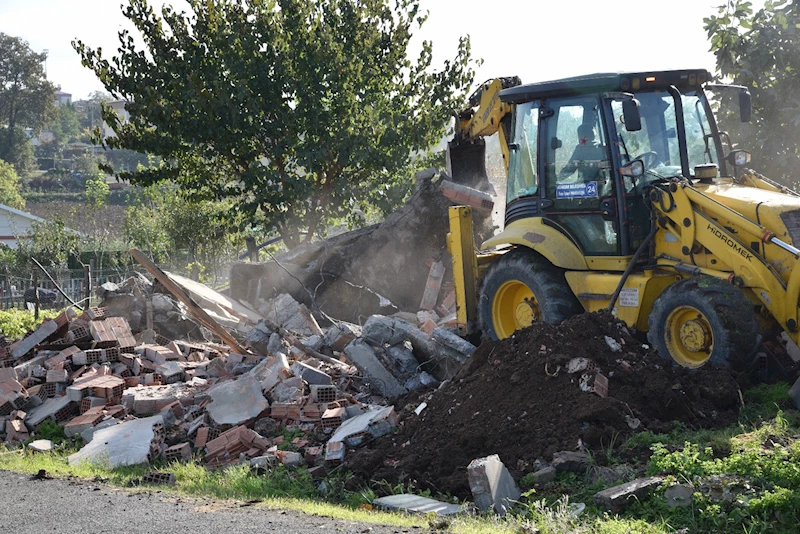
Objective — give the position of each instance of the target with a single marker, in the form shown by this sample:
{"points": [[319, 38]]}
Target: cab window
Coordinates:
{"points": [[523, 179]]}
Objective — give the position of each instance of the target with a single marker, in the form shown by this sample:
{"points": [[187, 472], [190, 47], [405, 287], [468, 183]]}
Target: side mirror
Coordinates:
{"points": [[555, 143], [737, 158], [745, 105], [631, 115], [634, 169]]}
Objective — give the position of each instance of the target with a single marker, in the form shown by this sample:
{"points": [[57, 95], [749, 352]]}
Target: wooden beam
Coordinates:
{"points": [[179, 293]]}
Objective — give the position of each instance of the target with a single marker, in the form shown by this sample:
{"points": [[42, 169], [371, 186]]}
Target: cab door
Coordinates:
{"points": [[577, 172]]}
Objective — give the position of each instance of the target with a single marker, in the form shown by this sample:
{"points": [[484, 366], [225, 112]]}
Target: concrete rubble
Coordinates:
{"points": [[491, 485], [138, 379], [265, 376]]}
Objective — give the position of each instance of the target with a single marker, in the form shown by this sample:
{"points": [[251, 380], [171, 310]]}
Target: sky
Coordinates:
{"points": [[533, 39]]}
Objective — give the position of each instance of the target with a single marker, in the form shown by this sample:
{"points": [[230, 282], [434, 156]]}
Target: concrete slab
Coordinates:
{"points": [[363, 356], [407, 502], [617, 497], [129, 443], [374, 423], [236, 401], [311, 375], [491, 485], [25, 345], [41, 445], [46, 410]]}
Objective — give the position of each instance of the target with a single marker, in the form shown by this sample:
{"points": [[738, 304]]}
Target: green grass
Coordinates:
{"points": [[15, 323], [759, 457]]}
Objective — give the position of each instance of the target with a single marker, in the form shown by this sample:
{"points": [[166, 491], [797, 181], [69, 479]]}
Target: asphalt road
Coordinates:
{"points": [[42, 506]]}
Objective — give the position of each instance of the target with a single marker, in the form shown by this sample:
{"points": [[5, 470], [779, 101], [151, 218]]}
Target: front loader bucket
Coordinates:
{"points": [[466, 164]]}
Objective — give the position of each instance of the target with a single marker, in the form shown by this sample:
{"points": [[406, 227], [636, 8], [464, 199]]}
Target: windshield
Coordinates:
{"points": [[656, 144]]}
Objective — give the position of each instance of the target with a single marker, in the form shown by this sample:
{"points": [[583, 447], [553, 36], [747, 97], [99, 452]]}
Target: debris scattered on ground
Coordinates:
{"points": [[227, 385], [532, 399]]}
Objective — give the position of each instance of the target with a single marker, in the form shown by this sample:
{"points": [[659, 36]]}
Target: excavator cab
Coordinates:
{"points": [[619, 196]]}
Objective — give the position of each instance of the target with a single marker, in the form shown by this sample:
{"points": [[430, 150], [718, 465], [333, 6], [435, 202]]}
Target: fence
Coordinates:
{"points": [[18, 291]]}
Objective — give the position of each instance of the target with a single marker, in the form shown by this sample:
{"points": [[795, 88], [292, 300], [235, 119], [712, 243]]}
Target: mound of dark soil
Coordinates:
{"points": [[517, 399]]}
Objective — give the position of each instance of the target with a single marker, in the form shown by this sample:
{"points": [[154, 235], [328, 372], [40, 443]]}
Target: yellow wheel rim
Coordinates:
{"points": [[514, 307], [688, 336]]}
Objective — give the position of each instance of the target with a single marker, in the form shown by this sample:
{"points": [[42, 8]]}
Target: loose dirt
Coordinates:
{"points": [[517, 399]]}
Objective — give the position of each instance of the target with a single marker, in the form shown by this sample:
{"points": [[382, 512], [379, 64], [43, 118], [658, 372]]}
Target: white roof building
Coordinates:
{"points": [[16, 225]]}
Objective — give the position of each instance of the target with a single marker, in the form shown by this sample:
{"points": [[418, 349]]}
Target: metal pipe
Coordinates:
{"points": [[786, 246]]}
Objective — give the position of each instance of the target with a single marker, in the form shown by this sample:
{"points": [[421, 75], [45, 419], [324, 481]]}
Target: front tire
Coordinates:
{"points": [[519, 289], [703, 319]]}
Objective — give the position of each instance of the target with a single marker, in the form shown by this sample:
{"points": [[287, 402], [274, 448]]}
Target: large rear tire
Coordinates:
{"points": [[519, 289], [703, 319]]}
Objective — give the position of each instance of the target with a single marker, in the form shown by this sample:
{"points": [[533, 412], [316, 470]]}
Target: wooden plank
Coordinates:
{"points": [[196, 311]]}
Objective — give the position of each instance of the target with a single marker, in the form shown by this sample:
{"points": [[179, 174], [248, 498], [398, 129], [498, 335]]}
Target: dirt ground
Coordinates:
{"points": [[517, 399]]}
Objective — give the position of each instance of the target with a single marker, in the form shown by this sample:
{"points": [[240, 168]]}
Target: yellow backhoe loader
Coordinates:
{"points": [[623, 194]]}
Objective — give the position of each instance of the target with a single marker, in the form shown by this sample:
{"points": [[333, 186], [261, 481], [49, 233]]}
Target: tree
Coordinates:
{"points": [[297, 110], [758, 50], [176, 230], [26, 98], [9, 187], [63, 128]]}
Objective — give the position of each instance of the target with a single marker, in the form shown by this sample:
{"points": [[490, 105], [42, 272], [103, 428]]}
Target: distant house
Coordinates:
{"points": [[119, 108], [63, 98], [16, 225]]}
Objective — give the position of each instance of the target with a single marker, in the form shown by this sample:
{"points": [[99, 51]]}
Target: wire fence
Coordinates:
{"points": [[20, 291]]}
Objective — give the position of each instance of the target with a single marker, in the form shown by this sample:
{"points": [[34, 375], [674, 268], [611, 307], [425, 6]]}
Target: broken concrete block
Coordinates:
{"points": [[374, 423], [287, 390], [236, 401], [421, 380], [258, 337], [311, 375], [363, 356], [263, 462], [270, 371], [130, 443], [41, 445], [341, 334], [55, 408], [406, 502], [292, 459], [57, 375], [571, 461], [25, 345], [285, 311], [334, 451], [544, 475], [451, 340], [491, 485], [151, 400], [382, 330], [314, 342], [274, 345], [403, 357], [617, 497], [158, 478], [88, 434]]}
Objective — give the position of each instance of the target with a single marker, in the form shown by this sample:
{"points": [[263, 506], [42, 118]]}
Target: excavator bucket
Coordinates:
{"points": [[466, 163]]}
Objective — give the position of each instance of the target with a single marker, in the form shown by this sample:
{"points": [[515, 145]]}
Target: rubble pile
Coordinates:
{"points": [[134, 395], [549, 390], [397, 265]]}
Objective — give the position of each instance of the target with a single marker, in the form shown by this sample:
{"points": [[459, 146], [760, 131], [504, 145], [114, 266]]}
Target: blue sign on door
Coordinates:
{"points": [[581, 190]]}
